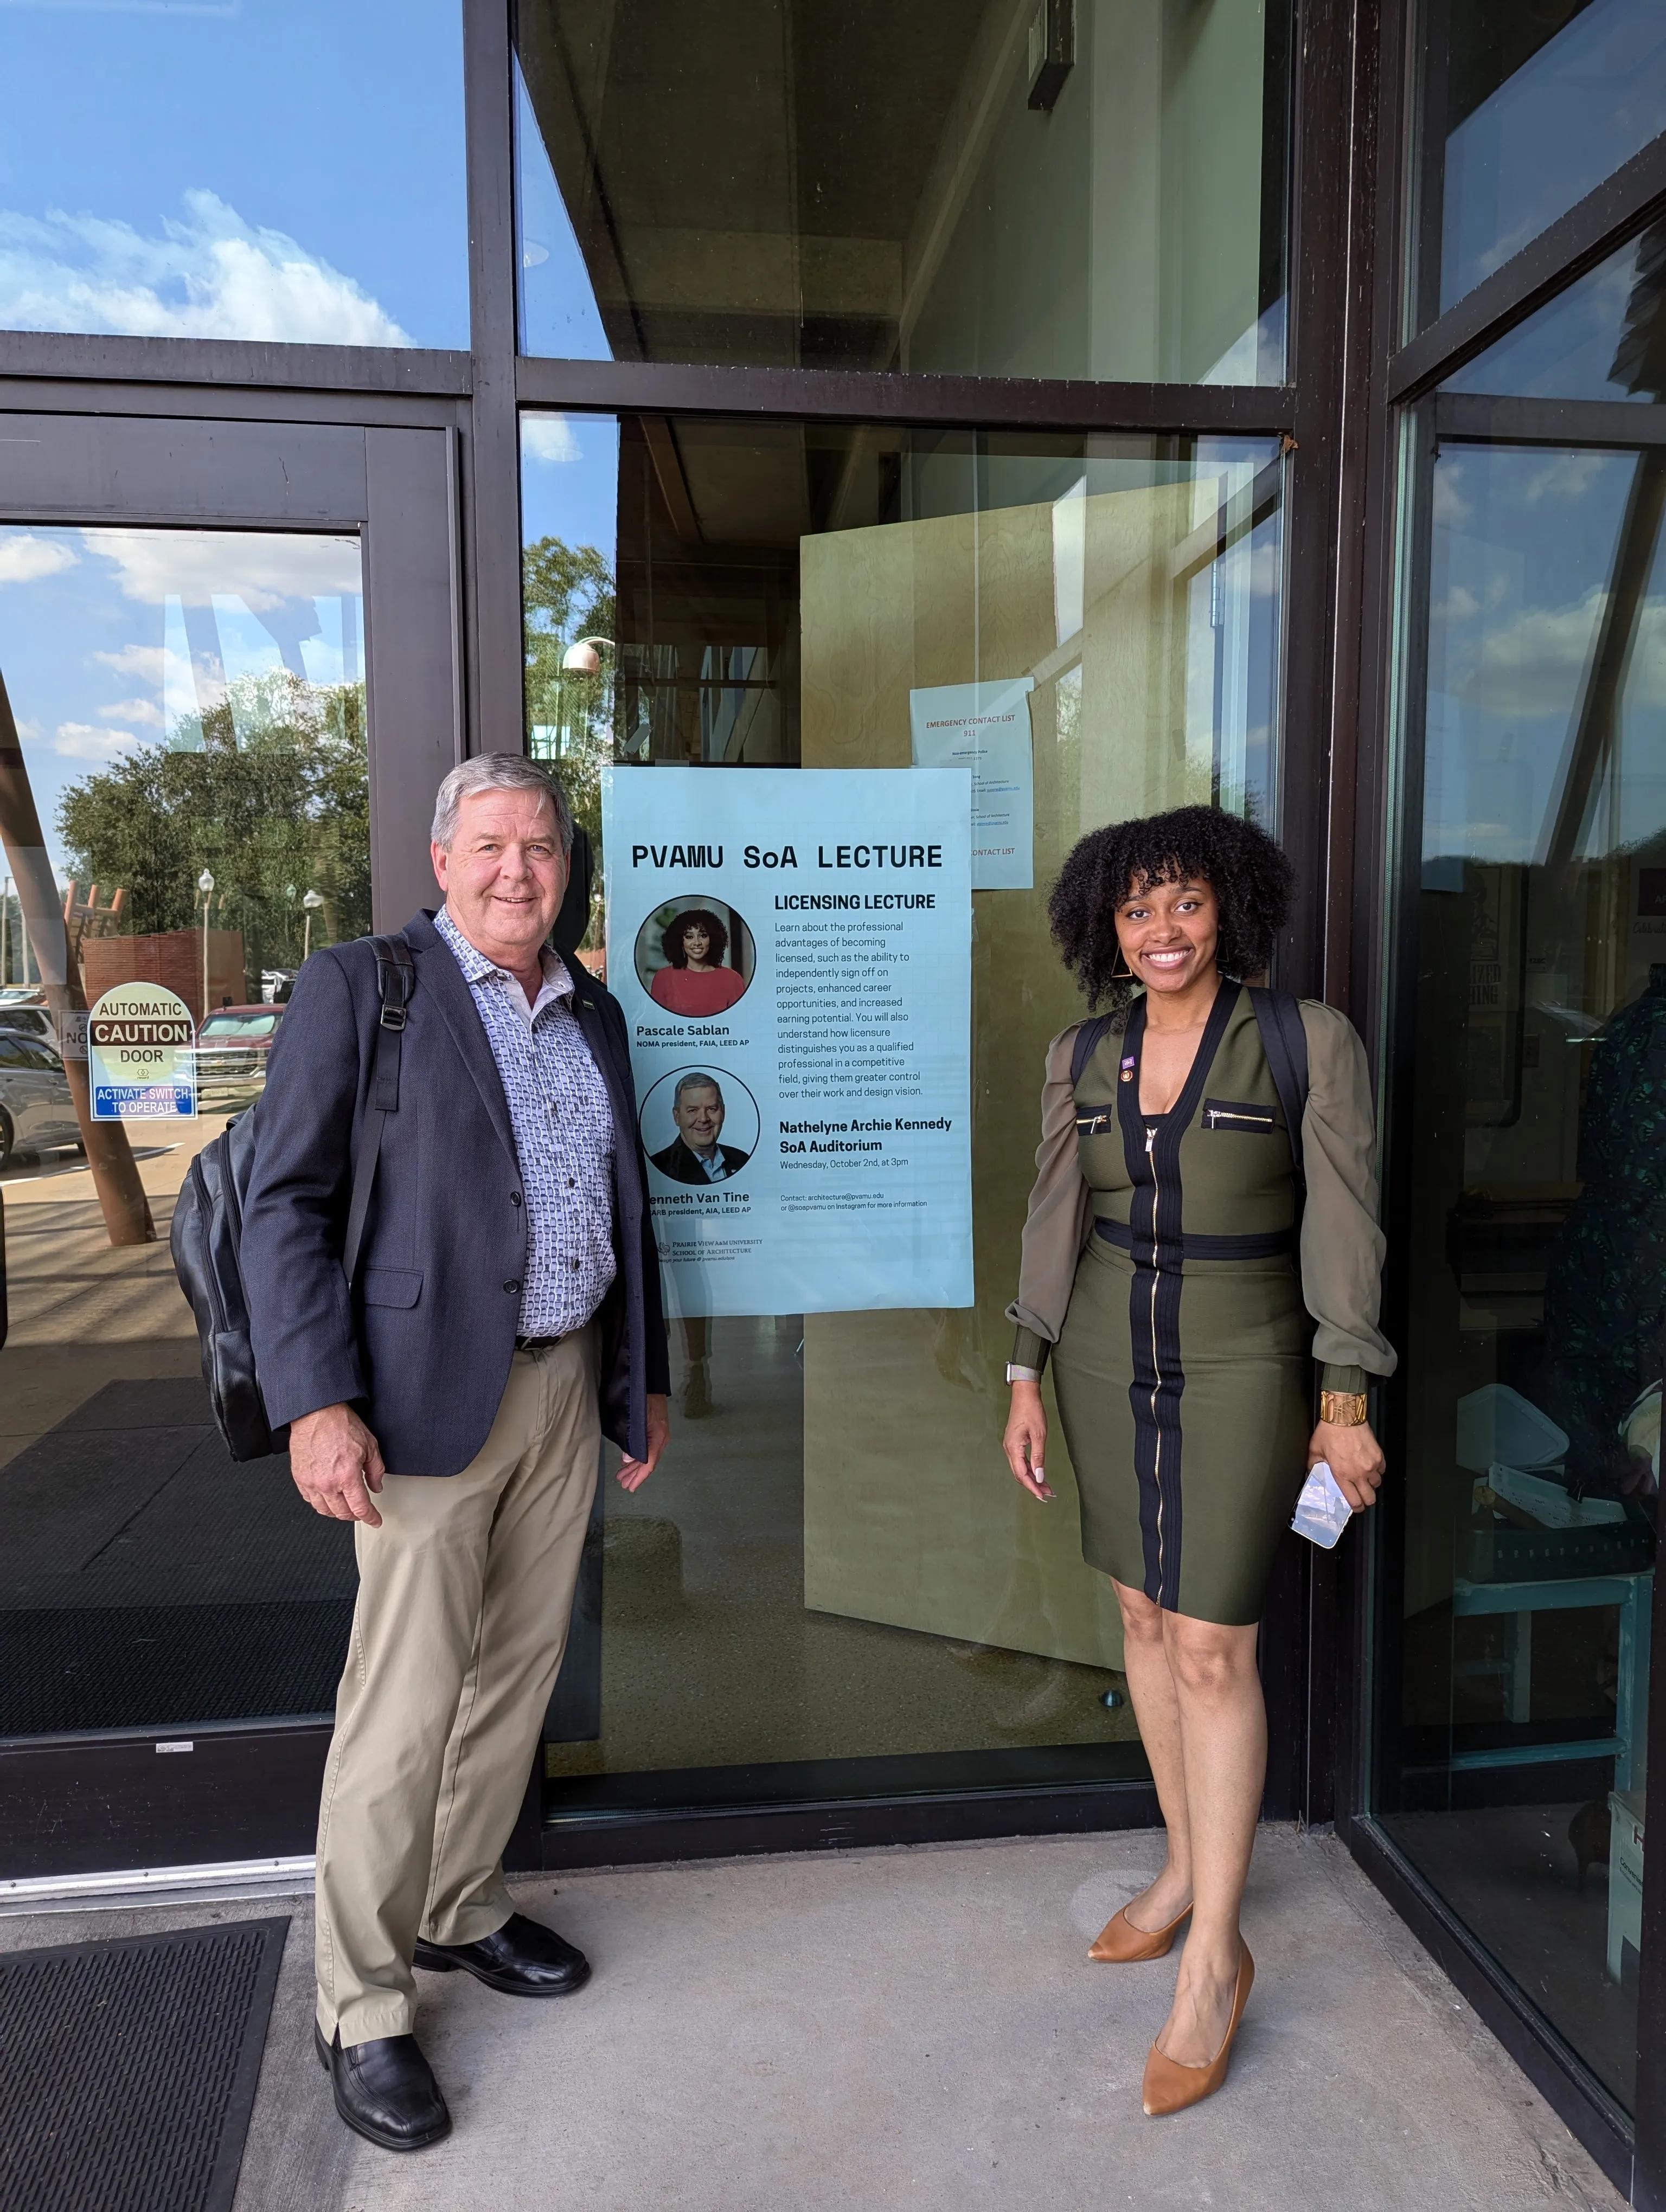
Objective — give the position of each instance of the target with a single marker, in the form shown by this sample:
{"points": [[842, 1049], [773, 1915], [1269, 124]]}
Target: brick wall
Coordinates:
{"points": [[174, 959]]}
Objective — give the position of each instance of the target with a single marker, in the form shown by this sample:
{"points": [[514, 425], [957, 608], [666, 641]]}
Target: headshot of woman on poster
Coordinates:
{"points": [[694, 959]]}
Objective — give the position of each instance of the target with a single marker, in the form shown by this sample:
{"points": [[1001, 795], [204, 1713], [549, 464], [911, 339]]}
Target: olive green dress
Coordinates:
{"points": [[1182, 1354]]}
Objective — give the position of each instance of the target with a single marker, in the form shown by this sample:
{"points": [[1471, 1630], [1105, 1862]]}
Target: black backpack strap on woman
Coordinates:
{"points": [[1284, 1040], [1086, 1044]]}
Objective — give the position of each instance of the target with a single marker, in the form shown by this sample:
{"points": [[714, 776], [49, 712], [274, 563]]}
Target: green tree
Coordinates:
{"points": [[568, 593], [273, 801]]}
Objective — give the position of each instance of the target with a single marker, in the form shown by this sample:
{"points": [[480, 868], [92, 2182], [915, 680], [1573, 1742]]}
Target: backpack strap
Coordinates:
{"points": [[396, 979], [1284, 1040], [1086, 1044]]}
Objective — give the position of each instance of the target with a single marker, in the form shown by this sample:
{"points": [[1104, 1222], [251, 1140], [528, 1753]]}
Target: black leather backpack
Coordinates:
{"points": [[208, 1224]]}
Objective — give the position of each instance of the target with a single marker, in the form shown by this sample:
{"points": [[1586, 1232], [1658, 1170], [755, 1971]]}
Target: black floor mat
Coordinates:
{"points": [[138, 1666], [128, 2069]]}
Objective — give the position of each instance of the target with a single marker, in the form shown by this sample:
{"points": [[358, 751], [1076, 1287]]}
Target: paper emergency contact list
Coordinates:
{"points": [[792, 949]]}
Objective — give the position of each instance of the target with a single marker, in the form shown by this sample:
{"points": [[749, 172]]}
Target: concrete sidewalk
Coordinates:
{"points": [[921, 2029]]}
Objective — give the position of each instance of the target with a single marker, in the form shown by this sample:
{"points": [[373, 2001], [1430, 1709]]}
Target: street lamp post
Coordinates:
{"points": [[312, 902], [205, 884]]}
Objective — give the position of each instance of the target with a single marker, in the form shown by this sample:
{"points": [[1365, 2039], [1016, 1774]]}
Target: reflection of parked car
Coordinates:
{"points": [[31, 1021], [36, 1107], [232, 1045]]}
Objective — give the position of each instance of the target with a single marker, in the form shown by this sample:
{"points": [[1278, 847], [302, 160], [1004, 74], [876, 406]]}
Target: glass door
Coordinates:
{"points": [[194, 795]]}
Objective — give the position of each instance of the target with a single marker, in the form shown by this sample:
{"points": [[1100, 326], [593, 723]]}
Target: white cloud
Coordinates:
{"points": [[205, 274], [25, 559], [80, 741], [261, 568], [150, 664], [1460, 604], [1532, 665], [548, 438], [133, 710], [1572, 475], [1451, 508]]}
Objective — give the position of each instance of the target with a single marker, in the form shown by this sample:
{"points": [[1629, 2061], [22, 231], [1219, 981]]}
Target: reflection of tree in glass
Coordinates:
{"points": [[273, 801], [568, 593]]}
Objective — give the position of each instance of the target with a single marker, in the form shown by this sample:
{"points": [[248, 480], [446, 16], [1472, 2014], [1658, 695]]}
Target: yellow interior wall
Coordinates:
{"points": [[911, 1517]]}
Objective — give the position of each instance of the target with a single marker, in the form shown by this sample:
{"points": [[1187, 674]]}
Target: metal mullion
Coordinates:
{"points": [[212, 403], [1648, 2095], [993, 403], [1368, 964], [1626, 425], [1619, 207], [1331, 261], [417, 370], [492, 473]]}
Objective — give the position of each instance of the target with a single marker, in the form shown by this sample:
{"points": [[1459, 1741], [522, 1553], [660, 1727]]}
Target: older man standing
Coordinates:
{"points": [[505, 1315]]}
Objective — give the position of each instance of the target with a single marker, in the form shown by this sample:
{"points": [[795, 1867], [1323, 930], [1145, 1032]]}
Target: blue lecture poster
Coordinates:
{"points": [[793, 951]]}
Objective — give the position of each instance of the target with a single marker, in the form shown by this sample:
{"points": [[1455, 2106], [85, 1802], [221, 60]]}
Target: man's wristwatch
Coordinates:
{"points": [[1015, 1373], [1345, 1409]]}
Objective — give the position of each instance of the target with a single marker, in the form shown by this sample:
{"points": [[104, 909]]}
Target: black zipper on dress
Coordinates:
{"points": [[1156, 1464]]}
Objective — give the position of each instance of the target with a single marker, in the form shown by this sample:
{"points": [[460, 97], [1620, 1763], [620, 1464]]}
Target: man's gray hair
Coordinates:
{"points": [[697, 1082], [497, 772]]}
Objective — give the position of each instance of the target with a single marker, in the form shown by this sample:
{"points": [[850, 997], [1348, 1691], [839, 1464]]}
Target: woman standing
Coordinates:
{"points": [[696, 983], [1166, 1265]]}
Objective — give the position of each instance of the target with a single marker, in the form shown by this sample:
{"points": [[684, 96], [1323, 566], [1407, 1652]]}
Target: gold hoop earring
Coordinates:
{"points": [[1124, 974]]}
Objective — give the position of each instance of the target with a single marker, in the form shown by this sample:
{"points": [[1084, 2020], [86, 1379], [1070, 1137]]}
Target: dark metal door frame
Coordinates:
{"points": [[105, 1803], [1396, 36]]}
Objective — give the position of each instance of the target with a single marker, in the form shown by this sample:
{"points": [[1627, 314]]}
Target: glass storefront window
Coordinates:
{"points": [[235, 169], [833, 1565], [186, 812], [907, 188], [1525, 108], [1528, 1199], [1604, 337]]}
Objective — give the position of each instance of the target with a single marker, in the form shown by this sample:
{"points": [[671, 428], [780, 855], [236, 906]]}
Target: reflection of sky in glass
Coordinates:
{"points": [[559, 311], [1566, 350], [1522, 550], [1589, 99], [570, 481], [113, 639], [276, 169]]}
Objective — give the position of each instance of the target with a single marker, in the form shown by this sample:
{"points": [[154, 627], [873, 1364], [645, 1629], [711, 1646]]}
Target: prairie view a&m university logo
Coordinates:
{"points": [[141, 1050]]}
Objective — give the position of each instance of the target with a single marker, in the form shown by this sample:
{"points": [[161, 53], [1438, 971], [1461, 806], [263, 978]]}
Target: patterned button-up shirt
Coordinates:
{"points": [[563, 1132]]}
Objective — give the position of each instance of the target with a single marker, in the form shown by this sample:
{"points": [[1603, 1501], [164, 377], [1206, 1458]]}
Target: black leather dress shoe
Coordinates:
{"points": [[385, 2090], [522, 1958]]}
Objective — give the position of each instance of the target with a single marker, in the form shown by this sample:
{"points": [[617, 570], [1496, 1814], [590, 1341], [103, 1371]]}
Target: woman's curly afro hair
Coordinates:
{"points": [[675, 930], [1250, 878]]}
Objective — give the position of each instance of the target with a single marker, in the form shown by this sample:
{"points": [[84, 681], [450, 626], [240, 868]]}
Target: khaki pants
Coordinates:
{"points": [[464, 1593]]}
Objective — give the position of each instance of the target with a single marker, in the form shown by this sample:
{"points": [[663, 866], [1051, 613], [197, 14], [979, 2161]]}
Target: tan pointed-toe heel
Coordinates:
{"points": [[1169, 2087], [1120, 1943]]}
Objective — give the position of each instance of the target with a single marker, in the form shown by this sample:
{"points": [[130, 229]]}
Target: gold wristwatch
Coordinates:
{"points": [[1345, 1408]]}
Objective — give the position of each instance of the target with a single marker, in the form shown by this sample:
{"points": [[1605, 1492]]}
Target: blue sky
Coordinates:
{"points": [[558, 314], [288, 169], [569, 480], [1588, 99]]}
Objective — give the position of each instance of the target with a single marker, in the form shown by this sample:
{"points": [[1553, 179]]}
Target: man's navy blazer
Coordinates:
{"points": [[422, 1348]]}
